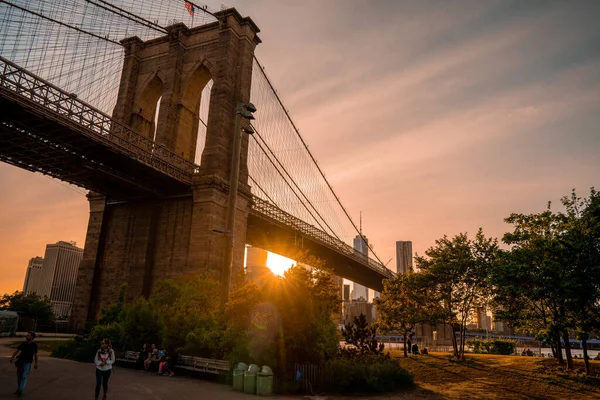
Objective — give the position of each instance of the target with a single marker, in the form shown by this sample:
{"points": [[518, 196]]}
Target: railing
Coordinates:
{"points": [[20, 84], [265, 209]]}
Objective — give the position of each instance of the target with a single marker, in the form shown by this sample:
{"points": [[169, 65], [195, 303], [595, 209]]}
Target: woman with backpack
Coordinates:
{"points": [[105, 358]]}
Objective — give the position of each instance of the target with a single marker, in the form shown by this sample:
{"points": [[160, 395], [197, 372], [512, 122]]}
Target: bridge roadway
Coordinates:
{"points": [[44, 129]]}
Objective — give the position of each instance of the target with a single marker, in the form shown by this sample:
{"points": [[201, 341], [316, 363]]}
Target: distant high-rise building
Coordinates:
{"points": [[59, 275], [33, 274], [403, 256], [356, 307], [256, 265], [346, 296], [361, 246]]}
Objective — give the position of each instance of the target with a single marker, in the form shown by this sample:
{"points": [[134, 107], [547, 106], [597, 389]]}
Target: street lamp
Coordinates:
{"points": [[243, 110]]}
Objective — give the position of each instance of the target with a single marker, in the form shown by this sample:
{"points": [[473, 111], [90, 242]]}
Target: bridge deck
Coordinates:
{"points": [[44, 129]]}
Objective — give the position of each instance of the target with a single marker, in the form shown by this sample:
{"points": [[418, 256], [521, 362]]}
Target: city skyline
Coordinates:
{"points": [[443, 118]]}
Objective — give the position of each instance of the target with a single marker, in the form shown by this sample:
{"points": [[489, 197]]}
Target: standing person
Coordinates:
{"points": [[105, 358], [27, 352]]}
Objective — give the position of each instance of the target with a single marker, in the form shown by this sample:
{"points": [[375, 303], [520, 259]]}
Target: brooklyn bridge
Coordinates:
{"points": [[164, 113]]}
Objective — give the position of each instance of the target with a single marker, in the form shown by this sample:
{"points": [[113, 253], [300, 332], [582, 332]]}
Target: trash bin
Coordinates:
{"points": [[250, 379], [238, 376], [264, 382]]}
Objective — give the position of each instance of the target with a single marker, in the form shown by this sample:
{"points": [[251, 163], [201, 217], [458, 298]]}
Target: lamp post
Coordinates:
{"points": [[243, 110]]}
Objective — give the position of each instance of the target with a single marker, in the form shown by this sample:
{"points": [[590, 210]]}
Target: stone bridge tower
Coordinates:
{"points": [[139, 242]]}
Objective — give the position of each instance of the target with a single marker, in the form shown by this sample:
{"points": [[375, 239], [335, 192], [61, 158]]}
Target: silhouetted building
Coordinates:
{"points": [[256, 265], [361, 246], [33, 275], [59, 275], [403, 256], [354, 308]]}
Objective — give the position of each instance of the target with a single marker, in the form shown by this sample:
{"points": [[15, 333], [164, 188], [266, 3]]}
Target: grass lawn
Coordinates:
{"points": [[483, 376], [43, 345]]}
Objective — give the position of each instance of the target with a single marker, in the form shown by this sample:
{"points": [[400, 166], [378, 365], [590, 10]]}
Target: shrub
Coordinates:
{"points": [[113, 332], [363, 337], [492, 346], [140, 325], [78, 349], [369, 374]]}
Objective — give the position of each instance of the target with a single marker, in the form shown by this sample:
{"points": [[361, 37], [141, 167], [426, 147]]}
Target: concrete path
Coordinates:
{"points": [[58, 379]]}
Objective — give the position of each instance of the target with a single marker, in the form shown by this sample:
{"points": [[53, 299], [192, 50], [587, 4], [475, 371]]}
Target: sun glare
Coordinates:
{"points": [[279, 264]]}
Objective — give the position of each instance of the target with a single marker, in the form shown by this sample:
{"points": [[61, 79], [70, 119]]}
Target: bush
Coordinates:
{"points": [[78, 349], [140, 325], [369, 374], [493, 346], [112, 332]]}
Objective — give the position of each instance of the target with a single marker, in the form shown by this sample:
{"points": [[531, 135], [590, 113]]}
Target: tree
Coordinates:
{"points": [[457, 271], [581, 239], [114, 312], [405, 302], [534, 276], [189, 312], [38, 308], [363, 337], [306, 302], [549, 282]]}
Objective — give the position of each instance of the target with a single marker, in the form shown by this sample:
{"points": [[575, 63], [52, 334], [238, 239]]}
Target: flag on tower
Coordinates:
{"points": [[190, 7]]}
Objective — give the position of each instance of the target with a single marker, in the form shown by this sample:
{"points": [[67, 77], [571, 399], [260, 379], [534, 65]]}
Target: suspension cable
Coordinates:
{"points": [[60, 23], [262, 69]]}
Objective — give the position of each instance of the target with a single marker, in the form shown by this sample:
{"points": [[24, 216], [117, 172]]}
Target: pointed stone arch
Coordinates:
{"points": [[188, 111], [145, 107]]}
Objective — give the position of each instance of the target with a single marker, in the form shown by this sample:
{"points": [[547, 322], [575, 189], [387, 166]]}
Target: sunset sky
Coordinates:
{"points": [[432, 117]]}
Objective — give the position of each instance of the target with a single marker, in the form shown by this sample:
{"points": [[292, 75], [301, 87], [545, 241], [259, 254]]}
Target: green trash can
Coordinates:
{"points": [[238, 376], [264, 382], [250, 379]]}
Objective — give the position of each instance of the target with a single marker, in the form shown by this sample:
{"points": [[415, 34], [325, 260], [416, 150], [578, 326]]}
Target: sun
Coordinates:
{"points": [[279, 264]]}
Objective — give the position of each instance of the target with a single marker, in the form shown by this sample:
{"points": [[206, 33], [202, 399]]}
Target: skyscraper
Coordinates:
{"points": [[59, 275], [361, 246], [256, 265], [403, 256], [33, 274]]}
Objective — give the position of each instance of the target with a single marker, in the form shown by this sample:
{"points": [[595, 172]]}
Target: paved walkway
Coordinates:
{"points": [[58, 379]]}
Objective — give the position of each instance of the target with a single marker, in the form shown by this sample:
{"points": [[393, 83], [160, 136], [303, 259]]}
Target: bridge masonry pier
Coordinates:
{"points": [[141, 241]]}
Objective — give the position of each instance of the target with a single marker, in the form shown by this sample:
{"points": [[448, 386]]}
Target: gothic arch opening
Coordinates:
{"points": [[189, 113], [203, 121], [144, 115]]}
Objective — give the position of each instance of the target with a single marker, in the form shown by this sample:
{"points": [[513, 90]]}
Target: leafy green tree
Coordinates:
{"points": [[140, 325], [38, 308], [188, 311], [457, 272], [114, 312], [306, 302], [405, 302], [531, 281], [581, 240], [549, 282]]}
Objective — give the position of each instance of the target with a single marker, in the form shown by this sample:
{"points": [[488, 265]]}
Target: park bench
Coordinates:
{"points": [[189, 363], [200, 364], [129, 357]]}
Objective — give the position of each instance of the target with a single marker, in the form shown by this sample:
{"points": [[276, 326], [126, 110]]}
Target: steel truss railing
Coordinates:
{"points": [[20, 84], [274, 213]]}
